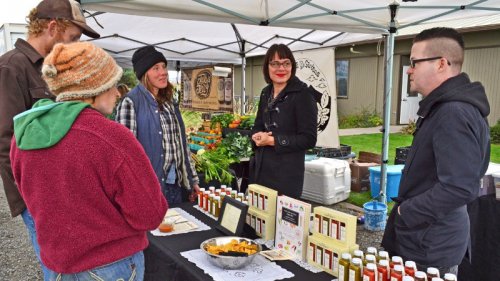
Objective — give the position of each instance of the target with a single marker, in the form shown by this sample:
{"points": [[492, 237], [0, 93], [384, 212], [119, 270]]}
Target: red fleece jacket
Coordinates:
{"points": [[93, 195]]}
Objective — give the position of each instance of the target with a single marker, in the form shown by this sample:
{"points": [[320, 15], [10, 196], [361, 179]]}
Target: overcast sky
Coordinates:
{"points": [[15, 11]]}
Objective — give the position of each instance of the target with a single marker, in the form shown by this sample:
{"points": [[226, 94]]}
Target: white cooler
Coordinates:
{"points": [[326, 180]]}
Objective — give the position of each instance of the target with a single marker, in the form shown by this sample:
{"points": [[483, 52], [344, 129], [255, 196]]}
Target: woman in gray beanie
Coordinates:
{"points": [[150, 112]]}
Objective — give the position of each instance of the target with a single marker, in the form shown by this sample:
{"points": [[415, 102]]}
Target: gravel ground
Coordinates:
{"points": [[18, 261]]}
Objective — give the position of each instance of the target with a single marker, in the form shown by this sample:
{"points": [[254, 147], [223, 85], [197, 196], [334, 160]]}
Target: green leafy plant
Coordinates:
{"points": [[214, 164], [364, 119], [410, 128], [495, 133], [223, 119], [236, 146], [129, 78]]}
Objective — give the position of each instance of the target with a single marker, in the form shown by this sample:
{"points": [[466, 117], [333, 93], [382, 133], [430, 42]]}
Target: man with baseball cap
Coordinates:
{"points": [[21, 84]]}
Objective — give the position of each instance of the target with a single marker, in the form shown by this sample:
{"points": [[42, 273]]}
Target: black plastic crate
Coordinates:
{"points": [[398, 161], [332, 152], [402, 152]]}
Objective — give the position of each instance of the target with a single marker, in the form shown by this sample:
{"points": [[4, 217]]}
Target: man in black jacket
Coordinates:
{"points": [[449, 156]]}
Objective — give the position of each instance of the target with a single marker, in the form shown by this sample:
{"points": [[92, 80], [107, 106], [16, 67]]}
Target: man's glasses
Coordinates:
{"points": [[413, 62], [277, 64]]}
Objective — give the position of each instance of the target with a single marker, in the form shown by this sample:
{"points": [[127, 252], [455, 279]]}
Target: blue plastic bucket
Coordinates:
{"points": [[375, 215]]}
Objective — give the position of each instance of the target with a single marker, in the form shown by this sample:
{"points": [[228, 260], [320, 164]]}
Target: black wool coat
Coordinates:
{"points": [[292, 119]]}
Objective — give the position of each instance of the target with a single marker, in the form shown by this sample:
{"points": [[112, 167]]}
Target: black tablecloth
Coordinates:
{"points": [[164, 262], [484, 214]]}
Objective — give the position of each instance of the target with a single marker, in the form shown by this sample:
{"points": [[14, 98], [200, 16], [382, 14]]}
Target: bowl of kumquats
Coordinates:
{"points": [[230, 252]]}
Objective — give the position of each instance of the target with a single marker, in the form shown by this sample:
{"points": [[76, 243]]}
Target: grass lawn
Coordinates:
{"points": [[373, 143]]}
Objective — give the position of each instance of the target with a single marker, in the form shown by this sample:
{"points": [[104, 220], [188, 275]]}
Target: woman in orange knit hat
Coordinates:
{"points": [[85, 179]]}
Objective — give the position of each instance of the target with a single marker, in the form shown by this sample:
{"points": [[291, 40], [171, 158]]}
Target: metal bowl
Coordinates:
{"points": [[228, 262]]}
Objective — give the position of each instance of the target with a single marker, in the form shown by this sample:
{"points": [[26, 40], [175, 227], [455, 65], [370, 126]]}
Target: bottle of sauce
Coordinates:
{"points": [[383, 270], [205, 200], [432, 272], [344, 263], [420, 276], [369, 258], [396, 260], [216, 206], [200, 197], [410, 268], [450, 277], [383, 255], [371, 251], [212, 189], [397, 273], [355, 269], [408, 278], [358, 254], [210, 203], [370, 272]]}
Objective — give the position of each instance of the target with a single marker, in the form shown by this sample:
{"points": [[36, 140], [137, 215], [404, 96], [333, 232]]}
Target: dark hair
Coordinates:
{"points": [[283, 53], [445, 42], [438, 33]]}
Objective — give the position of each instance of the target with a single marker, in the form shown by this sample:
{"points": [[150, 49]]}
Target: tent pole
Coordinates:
{"points": [[243, 93], [389, 60]]}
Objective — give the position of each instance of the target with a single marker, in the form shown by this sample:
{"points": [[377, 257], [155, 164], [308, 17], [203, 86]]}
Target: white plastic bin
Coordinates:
{"points": [[326, 180]]}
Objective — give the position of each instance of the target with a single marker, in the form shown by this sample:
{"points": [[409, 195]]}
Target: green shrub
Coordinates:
{"points": [[364, 119], [410, 128], [495, 133]]}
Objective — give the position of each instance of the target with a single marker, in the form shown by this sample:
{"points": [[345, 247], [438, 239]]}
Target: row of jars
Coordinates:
{"points": [[377, 267], [211, 200]]}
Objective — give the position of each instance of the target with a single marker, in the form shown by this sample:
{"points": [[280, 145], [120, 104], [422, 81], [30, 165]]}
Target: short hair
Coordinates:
{"points": [[283, 53], [36, 26], [445, 42]]}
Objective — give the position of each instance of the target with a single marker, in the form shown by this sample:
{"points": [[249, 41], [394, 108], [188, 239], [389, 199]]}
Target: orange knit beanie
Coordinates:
{"points": [[79, 70]]}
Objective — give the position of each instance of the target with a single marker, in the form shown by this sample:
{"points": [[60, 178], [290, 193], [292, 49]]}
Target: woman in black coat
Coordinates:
{"points": [[285, 126]]}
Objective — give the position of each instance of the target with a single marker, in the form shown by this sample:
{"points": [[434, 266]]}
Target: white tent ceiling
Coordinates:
{"points": [[226, 30], [213, 30]]}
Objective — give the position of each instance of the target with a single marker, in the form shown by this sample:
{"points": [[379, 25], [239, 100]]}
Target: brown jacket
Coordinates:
{"points": [[21, 85]]}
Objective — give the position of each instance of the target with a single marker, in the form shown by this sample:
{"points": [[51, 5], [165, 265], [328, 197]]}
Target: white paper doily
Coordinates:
{"points": [[270, 244], [186, 215], [204, 212], [260, 269]]}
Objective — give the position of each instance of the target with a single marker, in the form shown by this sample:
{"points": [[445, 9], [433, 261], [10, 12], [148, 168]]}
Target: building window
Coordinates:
{"points": [[342, 74]]}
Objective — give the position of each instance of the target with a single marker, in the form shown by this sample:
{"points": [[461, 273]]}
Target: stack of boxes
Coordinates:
{"points": [[261, 214], [333, 233], [360, 179]]}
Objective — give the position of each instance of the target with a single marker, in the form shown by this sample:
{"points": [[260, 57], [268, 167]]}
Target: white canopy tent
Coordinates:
{"points": [[230, 31]]}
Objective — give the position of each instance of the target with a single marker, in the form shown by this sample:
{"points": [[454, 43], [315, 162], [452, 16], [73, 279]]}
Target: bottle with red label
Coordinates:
{"points": [[396, 260], [420, 276], [410, 268], [397, 273], [370, 272], [432, 272], [383, 270], [450, 277]]}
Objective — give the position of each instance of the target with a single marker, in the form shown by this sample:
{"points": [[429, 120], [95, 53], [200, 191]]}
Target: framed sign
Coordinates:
{"points": [[232, 216]]}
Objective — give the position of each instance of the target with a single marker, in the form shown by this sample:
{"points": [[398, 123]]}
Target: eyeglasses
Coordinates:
{"points": [[413, 62], [277, 64]]}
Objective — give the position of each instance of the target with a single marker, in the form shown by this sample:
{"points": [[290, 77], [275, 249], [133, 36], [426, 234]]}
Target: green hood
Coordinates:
{"points": [[46, 123]]}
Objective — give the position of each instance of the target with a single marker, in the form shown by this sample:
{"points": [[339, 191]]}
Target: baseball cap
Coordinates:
{"points": [[65, 9]]}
